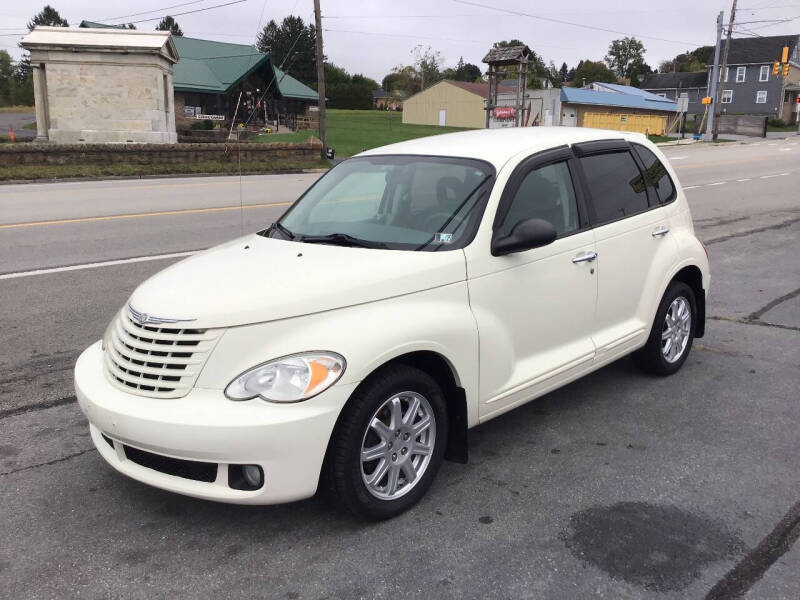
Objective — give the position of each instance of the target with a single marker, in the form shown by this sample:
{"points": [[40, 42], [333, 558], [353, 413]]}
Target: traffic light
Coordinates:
{"points": [[785, 54], [776, 68], [785, 69]]}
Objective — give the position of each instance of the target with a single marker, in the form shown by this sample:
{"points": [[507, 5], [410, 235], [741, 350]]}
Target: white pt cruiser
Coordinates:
{"points": [[413, 292]]}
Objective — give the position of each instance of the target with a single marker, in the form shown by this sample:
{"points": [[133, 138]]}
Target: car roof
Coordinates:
{"points": [[498, 146]]}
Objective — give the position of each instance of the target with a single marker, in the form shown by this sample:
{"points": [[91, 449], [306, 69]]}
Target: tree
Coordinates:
{"points": [[427, 62], [462, 71], [169, 24], [563, 73], [666, 66], [639, 73], [624, 55], [589, 71], [696, 60], [6, 78], [536, 66], [346, 91], [403, 79], [49, 17], [291, 46]]}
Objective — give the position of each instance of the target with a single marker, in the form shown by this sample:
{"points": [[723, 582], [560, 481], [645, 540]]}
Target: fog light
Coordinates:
{"points": [[245, 477], [252, 475]]}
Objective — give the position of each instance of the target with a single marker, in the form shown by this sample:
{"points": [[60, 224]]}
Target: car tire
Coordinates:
{"points": [[357, 485], [671, 336]]}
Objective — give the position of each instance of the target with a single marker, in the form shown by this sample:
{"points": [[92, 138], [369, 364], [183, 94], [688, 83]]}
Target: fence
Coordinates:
{"points": [[752, 125]]}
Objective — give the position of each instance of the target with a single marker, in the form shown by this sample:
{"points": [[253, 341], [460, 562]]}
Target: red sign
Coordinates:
{"points": [[504, 112]]}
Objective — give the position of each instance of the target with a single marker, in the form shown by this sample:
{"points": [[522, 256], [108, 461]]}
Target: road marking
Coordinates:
{"points": [[185, 211], [718, 183], [745, 179], [95, 265], [771, 176], [690, 187], [785, 150], [677, 157]]}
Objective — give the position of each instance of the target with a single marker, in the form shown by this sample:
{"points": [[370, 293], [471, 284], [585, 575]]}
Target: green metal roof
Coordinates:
{"points": [[289, 87], [215, 67]]}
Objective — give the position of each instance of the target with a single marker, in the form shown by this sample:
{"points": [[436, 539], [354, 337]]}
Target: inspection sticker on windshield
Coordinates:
{"points": [[443, 238]]}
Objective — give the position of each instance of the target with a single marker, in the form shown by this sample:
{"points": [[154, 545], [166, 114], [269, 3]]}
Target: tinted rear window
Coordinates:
{"points": [[616, 185], [656, 174]]}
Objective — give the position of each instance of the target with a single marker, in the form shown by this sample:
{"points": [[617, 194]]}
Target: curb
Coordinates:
{"points": [[164, 176], [685, 142]]}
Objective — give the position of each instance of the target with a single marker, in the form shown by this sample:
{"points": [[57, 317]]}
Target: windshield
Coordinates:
{"points": [[393, 202]]}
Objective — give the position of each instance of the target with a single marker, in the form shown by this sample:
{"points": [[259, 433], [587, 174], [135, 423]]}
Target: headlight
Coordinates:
{"points": [[288, 379]]}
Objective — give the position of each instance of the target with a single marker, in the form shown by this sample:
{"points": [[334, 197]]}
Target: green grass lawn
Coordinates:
{"points": [[351, 131], [17, 109], [787, 129]]}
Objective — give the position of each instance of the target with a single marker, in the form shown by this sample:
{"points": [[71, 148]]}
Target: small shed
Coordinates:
{"points": [[623, 108], [102, 85], [448, 103]]}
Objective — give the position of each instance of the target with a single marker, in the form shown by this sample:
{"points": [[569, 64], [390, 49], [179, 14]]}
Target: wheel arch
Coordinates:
{"points": [[692, 276], [442, 370]]}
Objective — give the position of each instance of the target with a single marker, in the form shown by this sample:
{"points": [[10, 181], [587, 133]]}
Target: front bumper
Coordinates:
{"points": [[288, 441]]}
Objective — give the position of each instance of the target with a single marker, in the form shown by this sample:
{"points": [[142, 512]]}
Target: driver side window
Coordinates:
{"points": [[545, 193]]}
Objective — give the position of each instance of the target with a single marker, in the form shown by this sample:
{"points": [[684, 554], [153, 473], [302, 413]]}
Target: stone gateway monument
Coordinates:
{"points": [[102, 85]]}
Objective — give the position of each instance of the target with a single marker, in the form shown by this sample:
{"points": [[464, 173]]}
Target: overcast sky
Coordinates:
{"points": [[372, 37]]}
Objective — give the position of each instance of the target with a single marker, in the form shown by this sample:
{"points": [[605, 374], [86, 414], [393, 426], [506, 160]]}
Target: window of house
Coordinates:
{"points": [[761, 97], [763, 73], [727, 96], [545, 193], [617, 187], [740, 73], [727, 69]]}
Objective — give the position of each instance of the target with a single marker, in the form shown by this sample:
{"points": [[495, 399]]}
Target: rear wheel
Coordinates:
{"points": [[672, 333], [389, 443]]}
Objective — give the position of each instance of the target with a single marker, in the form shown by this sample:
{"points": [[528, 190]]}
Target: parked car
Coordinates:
{"points": [[413, 292]]}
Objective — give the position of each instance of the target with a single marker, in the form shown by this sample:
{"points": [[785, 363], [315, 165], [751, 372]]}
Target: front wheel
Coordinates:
{"points": [[672, 333], [389, 443]]}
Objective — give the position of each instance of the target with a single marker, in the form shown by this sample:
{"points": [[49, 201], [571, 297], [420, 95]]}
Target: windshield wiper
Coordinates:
{"points": [[341, 239], [283, 229]]}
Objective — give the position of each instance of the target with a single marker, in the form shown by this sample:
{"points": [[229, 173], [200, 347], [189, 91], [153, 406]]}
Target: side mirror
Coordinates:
{"points": [[526, 235]]}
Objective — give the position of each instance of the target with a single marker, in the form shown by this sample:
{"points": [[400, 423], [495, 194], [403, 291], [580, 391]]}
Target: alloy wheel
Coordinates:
{"points": [[677, 329], [397, 445]]}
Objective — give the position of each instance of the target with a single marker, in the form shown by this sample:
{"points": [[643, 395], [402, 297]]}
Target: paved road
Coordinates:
{"points": [[17, 120], [618, 485]]}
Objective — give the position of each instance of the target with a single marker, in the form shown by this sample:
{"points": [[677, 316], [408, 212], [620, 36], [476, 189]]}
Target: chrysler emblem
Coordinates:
{"points": [[143, 318]]}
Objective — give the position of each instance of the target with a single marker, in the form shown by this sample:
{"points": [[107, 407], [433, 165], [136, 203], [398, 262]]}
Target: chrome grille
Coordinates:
{"points": [[155, 360]]}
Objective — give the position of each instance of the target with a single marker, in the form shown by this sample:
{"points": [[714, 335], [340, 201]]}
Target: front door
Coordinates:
{"points": [[442, 117], [535, 308]]}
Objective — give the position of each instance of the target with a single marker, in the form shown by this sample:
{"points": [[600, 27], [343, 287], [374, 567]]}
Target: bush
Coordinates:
{"points": [[776, 122], [205, 124]]}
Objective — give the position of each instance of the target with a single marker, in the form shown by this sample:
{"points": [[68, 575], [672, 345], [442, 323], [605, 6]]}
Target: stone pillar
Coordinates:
{"points": [[40, 100]]}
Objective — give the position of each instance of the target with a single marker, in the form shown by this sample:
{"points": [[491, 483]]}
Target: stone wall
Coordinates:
{"points": [[144, 154]]}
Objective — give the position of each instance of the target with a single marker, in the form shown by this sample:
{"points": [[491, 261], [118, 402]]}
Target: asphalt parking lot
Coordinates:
{"points": [[619, 485]]}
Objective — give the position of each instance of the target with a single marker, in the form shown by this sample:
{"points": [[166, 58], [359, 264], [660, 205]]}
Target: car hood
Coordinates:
{"points": [[256, 279]]}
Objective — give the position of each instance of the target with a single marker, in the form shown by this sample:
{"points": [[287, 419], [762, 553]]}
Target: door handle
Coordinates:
{"points": [[588, 257], [660, 231]]}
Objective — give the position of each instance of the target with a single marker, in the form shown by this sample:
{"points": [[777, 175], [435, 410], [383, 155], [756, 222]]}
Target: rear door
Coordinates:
{"points": [[633, 244]]}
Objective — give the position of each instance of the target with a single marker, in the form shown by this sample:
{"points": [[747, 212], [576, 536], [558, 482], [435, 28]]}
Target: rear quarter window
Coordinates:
{"points": [[656, 175]]}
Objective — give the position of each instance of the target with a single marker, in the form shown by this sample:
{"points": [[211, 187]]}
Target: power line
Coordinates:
{"points": [[189, 12], [581, 25], [435, 39], [150, 11]]}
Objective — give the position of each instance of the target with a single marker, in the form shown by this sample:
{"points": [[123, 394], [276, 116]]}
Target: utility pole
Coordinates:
{"points": [[715, 131], [714, 82], [321, 80]]}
